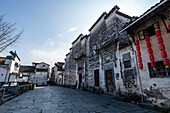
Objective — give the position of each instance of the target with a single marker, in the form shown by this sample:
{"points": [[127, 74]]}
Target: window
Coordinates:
{"points": [[96, 77], [59, 68], [16, 66], [150, 30], [43, 65], [160, 71], [141, 35], [127, 64]]}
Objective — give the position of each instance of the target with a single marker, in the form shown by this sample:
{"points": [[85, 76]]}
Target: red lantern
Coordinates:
{"points": [[151, 57], [166, 62], [161, 47], [160, 40], [148, 44], [138, 53], [137, 47], [139, 59], [150, 51], [158, 33], [147, 38], [153, 64], [140, 66], [137, 42], [164, 54]]}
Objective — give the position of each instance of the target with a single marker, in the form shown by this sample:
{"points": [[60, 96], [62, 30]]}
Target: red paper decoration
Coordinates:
{"points": [[140, 66], [152, 58], [139, 59], [137, 42], [169, 27], [161, 45], [166, 62], [164, 54], [139, 54], [158, 33], [153, 64], [150, 51], [160, 40], [147, 39], [148, 45], [137, 47]]}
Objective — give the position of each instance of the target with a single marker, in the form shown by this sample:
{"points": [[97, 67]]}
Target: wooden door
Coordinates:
{"points": [[96, 77], [109, 81], [80, 78]]}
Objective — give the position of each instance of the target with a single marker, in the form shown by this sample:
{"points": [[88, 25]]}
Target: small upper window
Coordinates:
{"points": [[127, 64], [150, 30], [43, 65]]}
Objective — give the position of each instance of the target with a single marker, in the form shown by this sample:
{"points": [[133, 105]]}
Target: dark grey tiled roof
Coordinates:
{"points": [[27, 69], [41, 70], [59, 63]]}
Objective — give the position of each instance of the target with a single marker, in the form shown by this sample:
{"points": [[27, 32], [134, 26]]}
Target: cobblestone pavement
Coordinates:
{"points": [[54, 99]]}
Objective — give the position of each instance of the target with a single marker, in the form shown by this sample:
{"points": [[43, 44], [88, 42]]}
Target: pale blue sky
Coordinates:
{"points": [[50, 26]]}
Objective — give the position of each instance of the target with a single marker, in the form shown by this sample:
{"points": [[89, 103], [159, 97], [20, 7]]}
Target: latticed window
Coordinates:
{"points": [[160, 71]]}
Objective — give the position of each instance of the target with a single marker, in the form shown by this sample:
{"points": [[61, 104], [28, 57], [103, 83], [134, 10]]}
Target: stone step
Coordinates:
{"points": [[7, 95], [6, 92], [9, 98]]}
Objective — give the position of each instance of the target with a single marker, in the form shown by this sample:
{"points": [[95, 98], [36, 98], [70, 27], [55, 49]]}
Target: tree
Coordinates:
{"points": [[7, 34]]}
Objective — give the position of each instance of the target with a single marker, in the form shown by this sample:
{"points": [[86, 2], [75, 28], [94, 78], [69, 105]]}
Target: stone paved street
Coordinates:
{"points": [[54, 99]]}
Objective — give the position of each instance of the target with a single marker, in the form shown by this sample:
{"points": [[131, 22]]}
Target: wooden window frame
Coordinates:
{"points": [[160, 71]]}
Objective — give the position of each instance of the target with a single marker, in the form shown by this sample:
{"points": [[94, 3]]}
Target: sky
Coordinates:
{"points": [[50, 26]]}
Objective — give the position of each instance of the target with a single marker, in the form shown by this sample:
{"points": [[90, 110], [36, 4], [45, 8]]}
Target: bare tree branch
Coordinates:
{"points": [[7, 34]]}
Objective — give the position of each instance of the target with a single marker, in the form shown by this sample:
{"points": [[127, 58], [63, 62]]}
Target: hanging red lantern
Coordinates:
{"points": [[153, 64], [137, 42], [138, 53], [158, 33], [148, 45], [161, 47], [139, 59], [147, 38], [151, 57], [150, 51], [137, 47], [166, 62], [140, 66], [164, 54], [160, 40]]}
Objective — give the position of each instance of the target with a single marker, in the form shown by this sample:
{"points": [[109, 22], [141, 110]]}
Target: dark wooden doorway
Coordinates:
{"points": [[96, 77], [109, 81], [80, 78]]}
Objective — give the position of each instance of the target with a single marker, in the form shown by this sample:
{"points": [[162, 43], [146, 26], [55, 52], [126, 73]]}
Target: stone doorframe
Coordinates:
{"points": [[106, 67]]}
